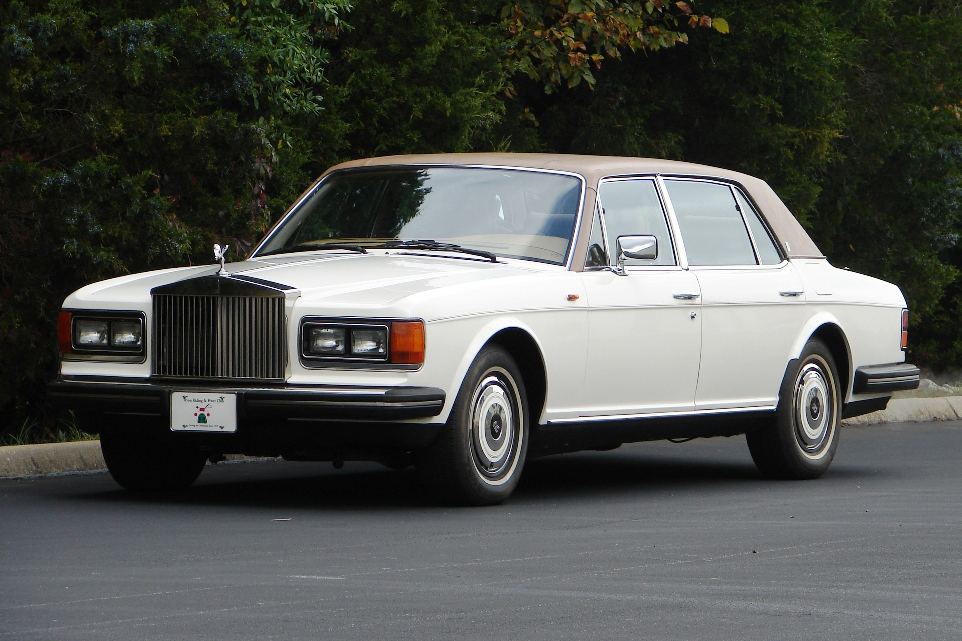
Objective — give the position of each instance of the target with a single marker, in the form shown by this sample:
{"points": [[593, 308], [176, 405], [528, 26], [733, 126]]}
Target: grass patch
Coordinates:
{"points": [[32, 432]]}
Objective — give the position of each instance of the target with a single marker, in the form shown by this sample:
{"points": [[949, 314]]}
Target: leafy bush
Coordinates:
{"points": [[133, 134]]}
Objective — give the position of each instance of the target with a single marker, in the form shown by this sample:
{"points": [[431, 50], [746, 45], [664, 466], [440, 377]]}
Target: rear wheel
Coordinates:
{"points": [[478, 457], [141, 463], [802, 441]]}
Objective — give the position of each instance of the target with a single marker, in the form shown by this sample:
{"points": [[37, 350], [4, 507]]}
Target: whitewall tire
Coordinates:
{"points": [[801, 442]]}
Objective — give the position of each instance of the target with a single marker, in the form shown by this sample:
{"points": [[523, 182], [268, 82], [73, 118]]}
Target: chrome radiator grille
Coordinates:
{"points": [[219, 336]]}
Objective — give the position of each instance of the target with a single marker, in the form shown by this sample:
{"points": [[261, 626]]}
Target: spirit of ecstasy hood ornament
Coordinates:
{"points": [[219, 256]]}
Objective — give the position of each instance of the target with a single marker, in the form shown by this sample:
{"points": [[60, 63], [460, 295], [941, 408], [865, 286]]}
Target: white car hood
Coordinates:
{"points": [[371, 279]]}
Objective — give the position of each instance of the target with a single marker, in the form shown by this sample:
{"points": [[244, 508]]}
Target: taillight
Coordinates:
{"points": [[905, 329], [64, 333]]}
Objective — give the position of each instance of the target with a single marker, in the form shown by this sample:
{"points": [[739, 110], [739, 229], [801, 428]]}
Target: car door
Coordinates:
{"points": [[644, 325], [753, 302]]}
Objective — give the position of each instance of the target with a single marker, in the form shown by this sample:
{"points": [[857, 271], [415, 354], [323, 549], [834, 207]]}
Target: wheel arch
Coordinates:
{"points": [[830, 333], [514, 336], [527, 355]]}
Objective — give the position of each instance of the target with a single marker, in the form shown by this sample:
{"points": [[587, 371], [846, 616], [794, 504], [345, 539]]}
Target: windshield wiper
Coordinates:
{"points": [[433, 245], [309, 247]]}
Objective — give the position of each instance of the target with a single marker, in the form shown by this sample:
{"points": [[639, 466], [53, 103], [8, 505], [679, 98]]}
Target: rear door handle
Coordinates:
{"points": [[686, 296], [792, 292]]}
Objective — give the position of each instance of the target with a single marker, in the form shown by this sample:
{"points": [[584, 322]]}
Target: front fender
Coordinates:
{"points": [[482, 337]]}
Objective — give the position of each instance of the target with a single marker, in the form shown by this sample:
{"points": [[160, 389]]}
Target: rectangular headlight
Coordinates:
{"points": [[103, 335], [127, 334], [326, 340], [90, 333], [369, 342]]}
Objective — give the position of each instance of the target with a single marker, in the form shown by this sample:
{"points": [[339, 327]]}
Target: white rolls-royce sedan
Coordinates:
{"points": [[463, 312]]}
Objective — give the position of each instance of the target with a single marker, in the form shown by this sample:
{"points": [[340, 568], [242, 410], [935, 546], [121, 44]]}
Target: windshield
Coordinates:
{"points": [[507, 212]]}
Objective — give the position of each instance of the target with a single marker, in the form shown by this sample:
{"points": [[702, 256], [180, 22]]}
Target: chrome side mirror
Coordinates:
{"points": [[637, 247]]}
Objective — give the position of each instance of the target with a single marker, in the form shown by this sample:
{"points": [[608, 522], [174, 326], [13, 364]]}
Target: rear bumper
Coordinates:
{"points": [[886, 378], [321, 402]]}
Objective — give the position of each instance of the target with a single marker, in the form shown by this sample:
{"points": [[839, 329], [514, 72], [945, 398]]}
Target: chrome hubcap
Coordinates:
{"points": [[814, 409], [495, 430]]}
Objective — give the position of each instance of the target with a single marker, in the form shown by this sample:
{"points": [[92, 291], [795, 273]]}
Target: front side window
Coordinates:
{"points": [[633, 208], [510, 213], [711, 224]]}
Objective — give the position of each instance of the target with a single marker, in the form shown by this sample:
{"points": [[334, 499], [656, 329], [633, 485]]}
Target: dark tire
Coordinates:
{"points": [[801, 442], [141, 463], [478, 457]]}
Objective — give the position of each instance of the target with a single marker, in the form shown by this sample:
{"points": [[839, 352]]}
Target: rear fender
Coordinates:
{"points": [[809, 329]]}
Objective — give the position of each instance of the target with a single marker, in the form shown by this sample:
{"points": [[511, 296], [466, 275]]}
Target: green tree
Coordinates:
{"points": [[892, 199], [414, 77], [766, 98], [132, 133], [559, 42]]}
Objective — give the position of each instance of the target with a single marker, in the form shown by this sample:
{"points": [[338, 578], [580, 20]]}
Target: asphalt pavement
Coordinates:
{"points": [[650, 541]]}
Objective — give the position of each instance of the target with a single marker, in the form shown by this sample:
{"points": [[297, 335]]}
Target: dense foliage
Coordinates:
{"points": [[134, 134]]}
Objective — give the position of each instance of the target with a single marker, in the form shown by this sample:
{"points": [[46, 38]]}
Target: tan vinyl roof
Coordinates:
{"points": [[793, 238]]}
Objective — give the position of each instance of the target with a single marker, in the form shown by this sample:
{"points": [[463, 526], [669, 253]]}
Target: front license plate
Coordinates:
{"points": [[203, 412]]}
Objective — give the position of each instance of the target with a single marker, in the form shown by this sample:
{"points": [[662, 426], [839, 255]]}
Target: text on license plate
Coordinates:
{"points": [[203, 412]]}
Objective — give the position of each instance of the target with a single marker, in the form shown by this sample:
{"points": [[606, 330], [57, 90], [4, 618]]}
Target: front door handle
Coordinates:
{"points": [[686, 296], [792, 292]]}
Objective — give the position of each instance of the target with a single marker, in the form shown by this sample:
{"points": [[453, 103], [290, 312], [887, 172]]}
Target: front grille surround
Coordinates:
{"points": [[232, 337]]}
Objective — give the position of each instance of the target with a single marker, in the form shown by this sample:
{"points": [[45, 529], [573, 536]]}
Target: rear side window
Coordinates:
{"points": [[633, 208], [767, 252], [711, 225]]}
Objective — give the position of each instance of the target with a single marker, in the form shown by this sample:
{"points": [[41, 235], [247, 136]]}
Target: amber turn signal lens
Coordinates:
{"points": [[64, 337], [407, 342]]}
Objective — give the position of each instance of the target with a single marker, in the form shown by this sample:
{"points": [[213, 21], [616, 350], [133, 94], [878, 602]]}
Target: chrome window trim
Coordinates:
{"points": [[771, 235], [751, 236], [604, 236], [730, 185], [575, 232], [780, 265], [674, 235], [679, 241], [745, 194], [673, 222]]}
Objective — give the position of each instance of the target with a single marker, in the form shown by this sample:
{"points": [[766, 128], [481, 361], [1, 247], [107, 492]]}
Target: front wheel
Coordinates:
{"points": [[143, 464], [801, 442], [477, 458]]}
